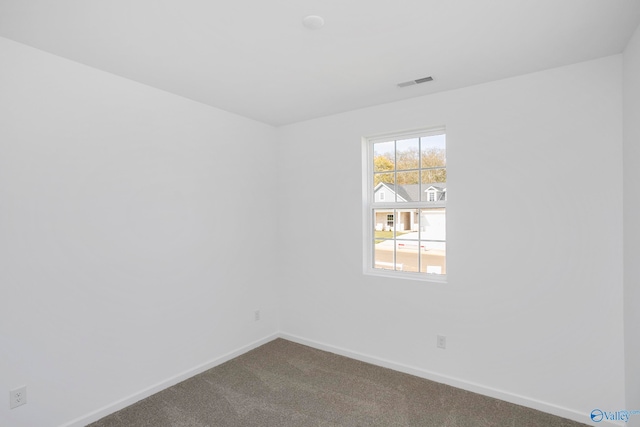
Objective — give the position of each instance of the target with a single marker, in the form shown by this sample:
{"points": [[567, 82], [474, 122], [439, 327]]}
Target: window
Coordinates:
{"points": [[390, 220], [405, 231]]}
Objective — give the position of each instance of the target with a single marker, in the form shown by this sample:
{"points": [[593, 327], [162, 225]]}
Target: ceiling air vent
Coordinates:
{"points": [[415, 82]]}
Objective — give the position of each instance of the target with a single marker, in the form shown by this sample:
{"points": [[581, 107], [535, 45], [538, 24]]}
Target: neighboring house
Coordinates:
{"points": [[433, 192], [433, 216]]}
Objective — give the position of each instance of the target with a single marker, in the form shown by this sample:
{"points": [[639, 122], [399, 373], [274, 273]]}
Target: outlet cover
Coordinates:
{"points": [[17, 397]]}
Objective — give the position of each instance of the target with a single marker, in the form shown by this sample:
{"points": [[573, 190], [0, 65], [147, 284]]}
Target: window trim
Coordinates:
{"points": [[368, 205]]}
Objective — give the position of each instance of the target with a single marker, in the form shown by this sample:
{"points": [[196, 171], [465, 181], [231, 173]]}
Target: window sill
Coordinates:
{"points": [[421, 277]]}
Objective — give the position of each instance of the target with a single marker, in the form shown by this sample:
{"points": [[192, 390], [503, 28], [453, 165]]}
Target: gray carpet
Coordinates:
{"points": [[284, 384]]}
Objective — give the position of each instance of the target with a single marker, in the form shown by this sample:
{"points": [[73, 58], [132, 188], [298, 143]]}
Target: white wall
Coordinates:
{"points": [[631, 226], [117, 252], [120, 267], [533, 307]]}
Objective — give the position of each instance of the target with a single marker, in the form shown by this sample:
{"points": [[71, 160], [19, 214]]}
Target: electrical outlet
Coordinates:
{"points": [[256, 315], [17, 397], [441, 341]]}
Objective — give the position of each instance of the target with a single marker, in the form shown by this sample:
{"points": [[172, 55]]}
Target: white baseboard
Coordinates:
{"points": [[422, 373], [455, 382], [142, 394]]}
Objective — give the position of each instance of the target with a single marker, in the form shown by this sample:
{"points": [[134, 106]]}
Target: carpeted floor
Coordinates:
{"points": [[284, 384]]}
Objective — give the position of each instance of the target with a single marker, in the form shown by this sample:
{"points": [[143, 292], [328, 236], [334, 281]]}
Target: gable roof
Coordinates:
{"points": [[411, 192]]}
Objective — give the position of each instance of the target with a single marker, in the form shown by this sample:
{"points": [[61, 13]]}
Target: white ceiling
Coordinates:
{"points": [[255, 58]]}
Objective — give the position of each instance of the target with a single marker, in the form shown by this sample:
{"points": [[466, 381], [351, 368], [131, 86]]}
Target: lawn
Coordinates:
{"points": [[385, 235]]}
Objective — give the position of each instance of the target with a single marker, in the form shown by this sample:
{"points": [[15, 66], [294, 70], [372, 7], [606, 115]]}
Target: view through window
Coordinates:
{"points": [[406, 207]]}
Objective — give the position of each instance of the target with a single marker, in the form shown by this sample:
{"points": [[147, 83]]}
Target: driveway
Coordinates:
{"points": [[409, 242]]}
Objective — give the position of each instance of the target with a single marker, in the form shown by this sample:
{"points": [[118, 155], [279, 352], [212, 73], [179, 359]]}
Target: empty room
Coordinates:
{"points": [[320, 213]]}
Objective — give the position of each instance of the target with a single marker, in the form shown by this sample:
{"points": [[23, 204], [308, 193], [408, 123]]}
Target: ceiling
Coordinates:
{"points": [[256, 59]]}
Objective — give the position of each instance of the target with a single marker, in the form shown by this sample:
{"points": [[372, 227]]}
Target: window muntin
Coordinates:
{"points": [[406, 228]]}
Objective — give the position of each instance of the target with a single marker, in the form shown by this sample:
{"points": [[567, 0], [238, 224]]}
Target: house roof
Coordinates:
{"points": [[411, 192]]}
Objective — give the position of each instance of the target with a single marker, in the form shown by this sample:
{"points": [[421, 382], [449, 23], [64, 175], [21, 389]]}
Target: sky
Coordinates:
{"points": [[427, 142]]}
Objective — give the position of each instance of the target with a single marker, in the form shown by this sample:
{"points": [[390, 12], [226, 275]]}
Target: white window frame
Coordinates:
{"points": [[369, 204]]}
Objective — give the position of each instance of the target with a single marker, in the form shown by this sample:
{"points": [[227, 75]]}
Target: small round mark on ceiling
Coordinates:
{"points": [[313, 22]]}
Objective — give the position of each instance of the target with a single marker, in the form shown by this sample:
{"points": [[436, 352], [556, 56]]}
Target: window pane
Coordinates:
{"points": [[407, 236], [433, 233], [384, 221], [383, 224], [407, 188], [384, 189], [433, 151], [383, 156], [383, 255], [433, 224], [430, 176], [387, 178], [407, 255], [411, 177], [434, 185], [407, 223], [407, 154], [433, 260]]}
